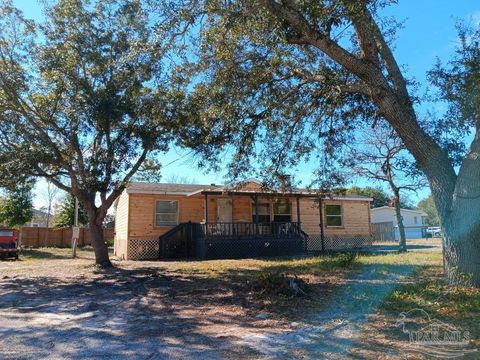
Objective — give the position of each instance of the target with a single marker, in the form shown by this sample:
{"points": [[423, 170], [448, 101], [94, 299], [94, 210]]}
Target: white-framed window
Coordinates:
{"points": [[415, 220], [333, 214], [282, 211], [166, 213]]}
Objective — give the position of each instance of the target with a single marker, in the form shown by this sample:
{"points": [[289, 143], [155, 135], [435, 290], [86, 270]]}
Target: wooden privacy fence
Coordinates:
{"points": [[42, 236], [383, 231]]}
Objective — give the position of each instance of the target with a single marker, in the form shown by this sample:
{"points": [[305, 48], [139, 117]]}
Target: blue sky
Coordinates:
{"points": [[428, 32]]}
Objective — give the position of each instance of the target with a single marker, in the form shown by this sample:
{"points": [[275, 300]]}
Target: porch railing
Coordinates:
{"points": [[232, 240], [275, 230]]}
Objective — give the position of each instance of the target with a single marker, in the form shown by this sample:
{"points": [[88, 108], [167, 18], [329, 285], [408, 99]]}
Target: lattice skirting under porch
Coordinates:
{"points": [[143, 249], [337, 243]]}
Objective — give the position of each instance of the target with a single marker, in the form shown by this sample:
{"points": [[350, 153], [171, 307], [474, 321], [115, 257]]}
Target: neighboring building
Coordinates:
{"points": [[385, 225], [39, 219], [210, 220]]}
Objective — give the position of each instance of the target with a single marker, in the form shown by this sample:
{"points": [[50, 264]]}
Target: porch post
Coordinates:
{"points": [[298, 214], [255, 198], [322, 234], [206, 211]]}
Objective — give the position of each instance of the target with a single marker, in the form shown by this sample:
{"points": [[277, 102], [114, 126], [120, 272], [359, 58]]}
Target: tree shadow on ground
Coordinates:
{"points": [[119, 314], [154, 312]]}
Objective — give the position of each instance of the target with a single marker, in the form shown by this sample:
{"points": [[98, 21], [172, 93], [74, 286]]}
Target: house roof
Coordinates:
{"points": [[163, 188], [423, 213], [196, 189]]}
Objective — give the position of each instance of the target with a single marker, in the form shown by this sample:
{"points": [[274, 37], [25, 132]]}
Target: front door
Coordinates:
{"points": [[224, 210]]}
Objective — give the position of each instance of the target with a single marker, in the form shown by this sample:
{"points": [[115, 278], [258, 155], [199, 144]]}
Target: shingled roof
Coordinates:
{"points": [[196, 189], [158, 188]]}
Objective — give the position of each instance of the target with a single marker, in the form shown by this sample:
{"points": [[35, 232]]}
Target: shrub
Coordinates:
{"points": [[275, 283]]}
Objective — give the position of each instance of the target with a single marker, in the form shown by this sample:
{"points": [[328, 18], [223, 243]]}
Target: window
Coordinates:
{"points": [[334, 215], [281, 211], [415, 221], [263, 213], [166, 213]]}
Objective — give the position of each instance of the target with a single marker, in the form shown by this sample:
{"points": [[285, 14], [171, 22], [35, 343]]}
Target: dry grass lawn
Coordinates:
{"points": [[58, 307]]}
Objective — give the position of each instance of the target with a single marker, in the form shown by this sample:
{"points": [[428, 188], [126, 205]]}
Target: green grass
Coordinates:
{"points": [[455, 305], [318, 265], [419, 258], [41, 254]]}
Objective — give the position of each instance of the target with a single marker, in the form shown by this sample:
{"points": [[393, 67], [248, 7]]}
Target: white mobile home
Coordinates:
{"points": [[385, 226]]}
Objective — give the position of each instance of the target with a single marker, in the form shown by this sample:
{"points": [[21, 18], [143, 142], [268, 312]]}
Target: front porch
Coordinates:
{"points": [[248, 223], [232, 240]]}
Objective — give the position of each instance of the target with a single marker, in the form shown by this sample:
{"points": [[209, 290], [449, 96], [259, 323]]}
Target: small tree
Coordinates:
{"points": [[382, 157], [16, 208], [50, 193], [86, 99], [428, 205], [65, 215]]}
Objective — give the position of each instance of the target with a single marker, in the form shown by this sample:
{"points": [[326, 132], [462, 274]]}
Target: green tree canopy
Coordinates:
{"points": [[279, 81], [65, 215], [86, 98], [380, 197], [16, 208], [428, 205]]}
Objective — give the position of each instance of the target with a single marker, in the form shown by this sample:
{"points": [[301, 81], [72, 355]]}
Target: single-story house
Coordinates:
{"points": [[211, 221], [385, 225]]}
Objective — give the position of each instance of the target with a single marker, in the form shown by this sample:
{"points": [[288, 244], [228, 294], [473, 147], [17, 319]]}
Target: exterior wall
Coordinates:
{"points": [[388, 214], [381, 215], [142, 213], [355, 217], [141, 224], [242, 209], [136, 233], [121, 226], [412, 230]]}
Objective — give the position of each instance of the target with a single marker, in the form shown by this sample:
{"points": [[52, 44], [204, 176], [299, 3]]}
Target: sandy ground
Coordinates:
{"points": [[59, 308]]}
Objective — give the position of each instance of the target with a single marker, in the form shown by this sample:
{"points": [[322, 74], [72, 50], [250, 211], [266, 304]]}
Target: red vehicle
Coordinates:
{"points": [[8, 243]]}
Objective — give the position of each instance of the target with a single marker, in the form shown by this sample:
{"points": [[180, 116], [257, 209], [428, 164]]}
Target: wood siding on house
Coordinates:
{"points": [[356, 217], [122, 216], [242, 208], [135, 216], [142, 210]]}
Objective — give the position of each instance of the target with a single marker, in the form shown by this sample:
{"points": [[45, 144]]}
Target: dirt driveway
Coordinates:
{"points": [[54, 307]]}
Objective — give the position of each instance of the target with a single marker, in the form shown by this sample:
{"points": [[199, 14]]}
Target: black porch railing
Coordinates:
{"points": [[274, 230], [232, 240]]}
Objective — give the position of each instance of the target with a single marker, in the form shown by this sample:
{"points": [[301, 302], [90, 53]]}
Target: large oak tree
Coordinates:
{"points": [[302, 75], [85, 99]]}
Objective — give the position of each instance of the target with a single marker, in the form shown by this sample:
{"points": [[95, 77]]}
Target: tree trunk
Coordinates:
{"points": [[462, 226], [401, 229], [462, 254], [99, 245], [95, 220]]}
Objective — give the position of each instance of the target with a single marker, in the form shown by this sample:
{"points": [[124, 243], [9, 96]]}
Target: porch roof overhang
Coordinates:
{"points": [[299, 193]]}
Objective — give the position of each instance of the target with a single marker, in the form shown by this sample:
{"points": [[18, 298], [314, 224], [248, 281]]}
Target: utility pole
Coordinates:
{"points": [[75, 230]]}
